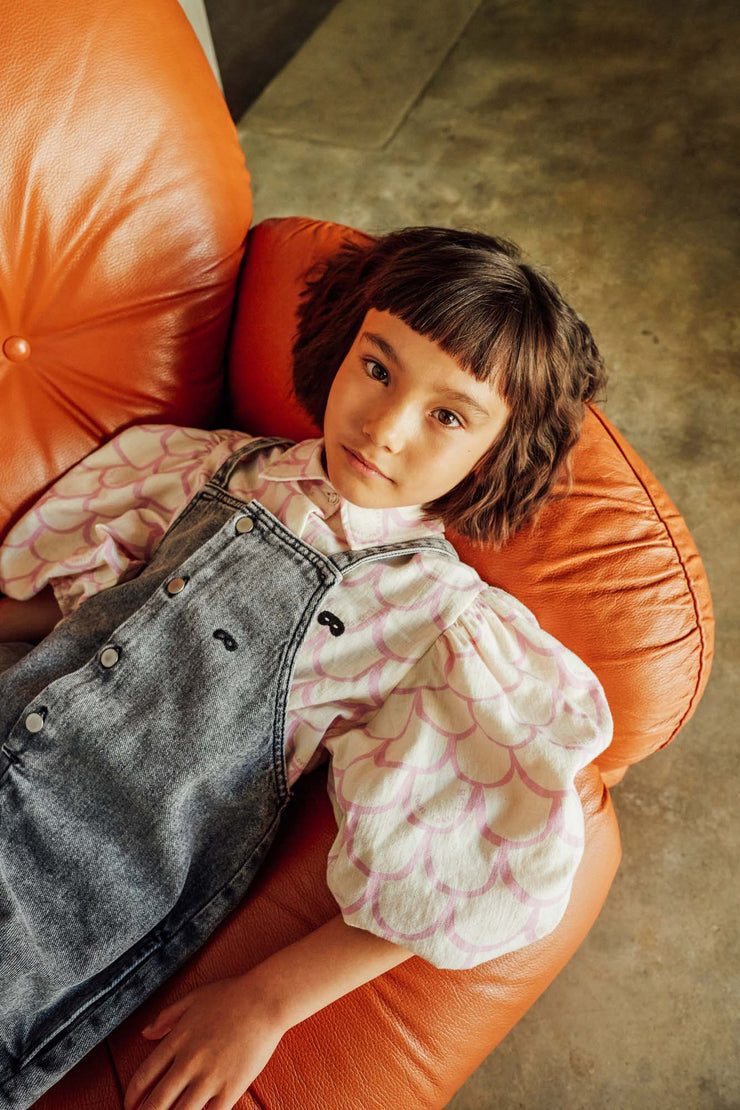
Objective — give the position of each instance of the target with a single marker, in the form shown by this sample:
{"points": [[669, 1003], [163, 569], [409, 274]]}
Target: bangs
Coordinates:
{"points": [[476, 322]]}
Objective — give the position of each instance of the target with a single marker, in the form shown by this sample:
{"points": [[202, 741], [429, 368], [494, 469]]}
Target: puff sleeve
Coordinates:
{"points": [[102, 520], [459, 826]]}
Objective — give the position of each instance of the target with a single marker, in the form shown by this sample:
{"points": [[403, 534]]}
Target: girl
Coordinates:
{"points": [[223, 612]]}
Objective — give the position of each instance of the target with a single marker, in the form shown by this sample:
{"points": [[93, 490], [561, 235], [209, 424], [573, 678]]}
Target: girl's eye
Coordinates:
{"points": [[450, 419], [372, 366], [378, 373]]}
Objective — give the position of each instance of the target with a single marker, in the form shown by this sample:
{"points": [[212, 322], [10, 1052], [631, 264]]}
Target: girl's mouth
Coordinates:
{"points": [[362, 467]]}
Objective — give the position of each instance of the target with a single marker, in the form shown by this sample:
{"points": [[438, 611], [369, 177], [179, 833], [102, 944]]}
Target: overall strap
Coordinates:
{"points": [[346, 560], [222, 477]]}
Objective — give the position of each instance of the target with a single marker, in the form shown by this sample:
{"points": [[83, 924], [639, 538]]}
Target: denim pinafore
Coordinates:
{"points": [[142, 774]]}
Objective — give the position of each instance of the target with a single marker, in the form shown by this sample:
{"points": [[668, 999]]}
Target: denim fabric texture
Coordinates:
{"points": [[142, 771]]}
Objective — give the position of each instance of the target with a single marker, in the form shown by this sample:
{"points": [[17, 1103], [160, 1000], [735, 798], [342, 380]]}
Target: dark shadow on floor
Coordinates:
{"points": [[254, 39]]}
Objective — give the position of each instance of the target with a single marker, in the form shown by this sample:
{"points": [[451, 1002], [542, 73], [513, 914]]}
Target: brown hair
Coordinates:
{"points": [[503, 321]]}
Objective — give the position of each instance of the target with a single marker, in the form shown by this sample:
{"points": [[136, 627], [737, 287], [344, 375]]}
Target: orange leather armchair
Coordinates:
{"points": [[126, 295]]}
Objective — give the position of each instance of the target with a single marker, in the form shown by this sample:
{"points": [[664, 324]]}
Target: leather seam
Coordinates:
{"points": [[699, 623]]}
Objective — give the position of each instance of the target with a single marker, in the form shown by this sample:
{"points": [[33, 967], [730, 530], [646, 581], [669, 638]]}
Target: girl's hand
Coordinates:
{"points": [[217, 1040]]}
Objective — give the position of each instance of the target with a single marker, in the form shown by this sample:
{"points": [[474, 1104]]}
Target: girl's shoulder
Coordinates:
{"points": [[479, 600], [498, 634], [461, 610], [104, 516], [483, 603]]}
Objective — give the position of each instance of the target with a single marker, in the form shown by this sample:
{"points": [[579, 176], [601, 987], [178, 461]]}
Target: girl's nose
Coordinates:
{"points": [[387, 426]]}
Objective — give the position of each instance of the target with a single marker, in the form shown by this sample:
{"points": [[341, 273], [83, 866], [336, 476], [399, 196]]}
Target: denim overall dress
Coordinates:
{"points": [[142, 771]]}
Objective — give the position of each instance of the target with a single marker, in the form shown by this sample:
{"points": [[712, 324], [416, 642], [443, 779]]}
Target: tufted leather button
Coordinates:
{"points": [[175, 585], [16, 348], [244, 524], [109, 657]]}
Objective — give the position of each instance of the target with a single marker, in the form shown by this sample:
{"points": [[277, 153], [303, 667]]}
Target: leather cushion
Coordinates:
{"points": [[126, 205]]}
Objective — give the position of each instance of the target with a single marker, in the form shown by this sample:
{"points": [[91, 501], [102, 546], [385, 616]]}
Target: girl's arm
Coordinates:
{"points": [[320, 968], [28, 621], [217, 1039]]}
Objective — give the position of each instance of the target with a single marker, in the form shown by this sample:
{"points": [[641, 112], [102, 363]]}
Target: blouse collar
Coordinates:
{"points": [[302, 465]]}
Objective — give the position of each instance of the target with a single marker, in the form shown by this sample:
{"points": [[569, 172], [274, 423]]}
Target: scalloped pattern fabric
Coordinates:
{"points": [[455, 725]]}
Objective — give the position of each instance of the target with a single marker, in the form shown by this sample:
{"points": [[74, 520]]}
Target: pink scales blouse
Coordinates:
{"points": [[459, 829]]}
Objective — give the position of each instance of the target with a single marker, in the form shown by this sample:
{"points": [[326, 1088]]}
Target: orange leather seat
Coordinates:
{"points": [[126, 211]]}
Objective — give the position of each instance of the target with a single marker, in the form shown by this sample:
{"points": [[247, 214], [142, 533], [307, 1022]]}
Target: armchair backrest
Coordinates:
{"points": [[126, 205]]}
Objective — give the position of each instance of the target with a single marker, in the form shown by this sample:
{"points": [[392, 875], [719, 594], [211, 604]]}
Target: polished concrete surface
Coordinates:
{"points": [[603, 138]]}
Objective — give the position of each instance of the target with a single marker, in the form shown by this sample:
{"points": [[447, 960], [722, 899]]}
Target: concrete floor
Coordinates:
{"points": [[602, 137]]}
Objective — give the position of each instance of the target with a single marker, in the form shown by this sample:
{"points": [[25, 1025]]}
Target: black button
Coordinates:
{"points": [[335, 625]]}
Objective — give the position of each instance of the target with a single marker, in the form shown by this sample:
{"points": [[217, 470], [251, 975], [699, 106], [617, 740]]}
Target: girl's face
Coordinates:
{"points": [[404, 422]]}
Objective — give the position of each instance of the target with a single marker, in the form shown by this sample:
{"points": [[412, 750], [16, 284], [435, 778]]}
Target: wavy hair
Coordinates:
{"points": [[502, 320]]}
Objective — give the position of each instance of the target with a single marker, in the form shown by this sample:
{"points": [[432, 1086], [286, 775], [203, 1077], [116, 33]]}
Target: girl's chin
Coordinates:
{"points": [[361, 499], [362, 490]]}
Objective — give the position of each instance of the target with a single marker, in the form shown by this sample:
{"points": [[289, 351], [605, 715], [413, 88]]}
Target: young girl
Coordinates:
{"points": [[218, 613]]}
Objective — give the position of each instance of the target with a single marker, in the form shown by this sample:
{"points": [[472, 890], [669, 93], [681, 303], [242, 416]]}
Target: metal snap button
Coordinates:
{"points": [[34, 722], [109, 657], [175, 585], [244, 524]]}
